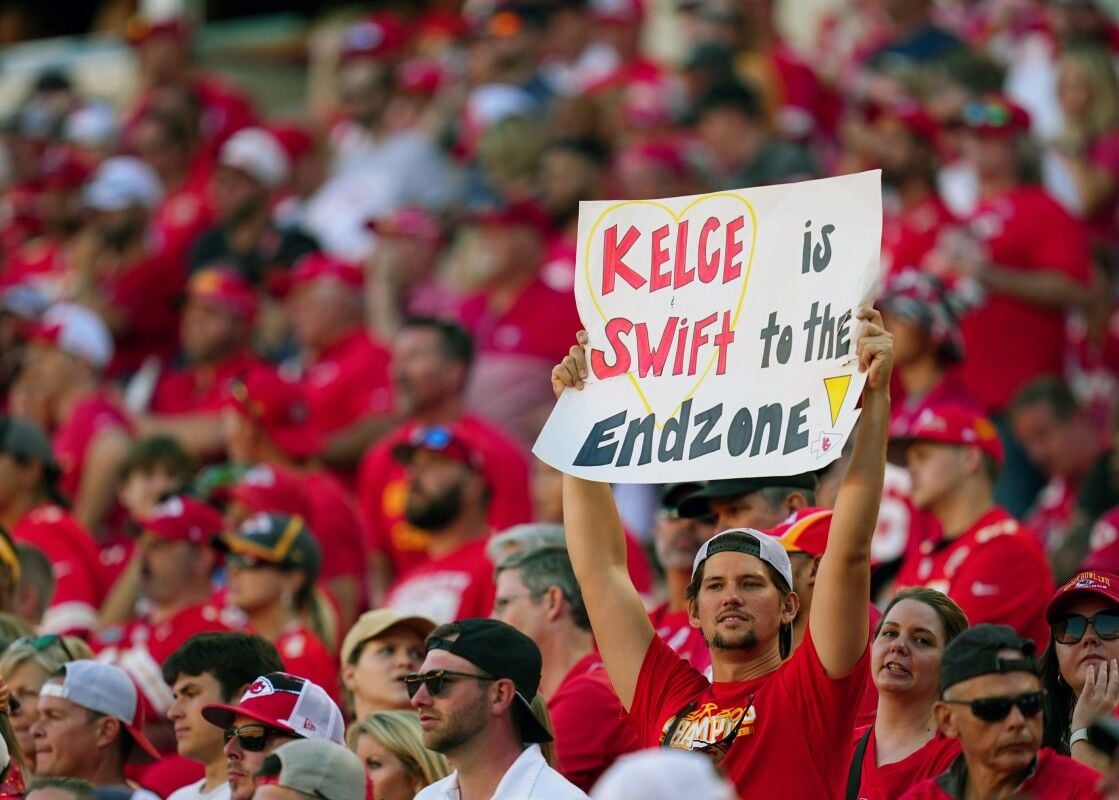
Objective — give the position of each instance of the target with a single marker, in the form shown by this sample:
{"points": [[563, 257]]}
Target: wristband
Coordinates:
{"points": [[1078, 735]]}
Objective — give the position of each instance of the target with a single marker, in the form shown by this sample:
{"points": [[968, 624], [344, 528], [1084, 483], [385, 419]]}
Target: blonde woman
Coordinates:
{"points": [[390, 745]]}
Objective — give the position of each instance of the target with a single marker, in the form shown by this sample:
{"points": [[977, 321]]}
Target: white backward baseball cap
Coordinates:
{"points": [[751, 542], [123, 181], [257, 153], [75, 330]]}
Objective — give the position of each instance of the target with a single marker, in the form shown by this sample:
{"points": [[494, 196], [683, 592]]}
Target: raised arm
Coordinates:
{"points": [[597, 547], [838, 620]]}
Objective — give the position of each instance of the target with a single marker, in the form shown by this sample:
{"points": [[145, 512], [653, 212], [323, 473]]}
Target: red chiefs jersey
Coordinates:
{"points": [[1026, 231], [203, 387], [185, 211], [456, 586], [677, 632], [1103, 544], [349, 380], [1051, 514], [889, 781], [588, 724], [89, 417], [995, 571], [383, 489], [908, 235], [336, 525], [79, 588], [793, 726], [1054, 777]]}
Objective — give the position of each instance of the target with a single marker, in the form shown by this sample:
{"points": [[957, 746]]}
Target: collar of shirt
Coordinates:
{"points": [[954, 780], [519, 780]]}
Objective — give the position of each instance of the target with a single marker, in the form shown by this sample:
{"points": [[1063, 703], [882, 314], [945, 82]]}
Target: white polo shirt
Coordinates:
{"points": [[529, 778]]}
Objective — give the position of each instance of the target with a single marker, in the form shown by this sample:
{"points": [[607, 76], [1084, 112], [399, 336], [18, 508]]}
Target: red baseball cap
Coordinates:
{"points": [[280, 407], [618, 12], [271, 488], [910, 114], [411, 222], [956, 425], [322, 266], [422, 76], [224, 288], [383, 35], [182, 518], [996, 115], [285, 702], [444, 440], [139, 28], [1083, 584], [295, 139], [521, 213], [806, 531]]}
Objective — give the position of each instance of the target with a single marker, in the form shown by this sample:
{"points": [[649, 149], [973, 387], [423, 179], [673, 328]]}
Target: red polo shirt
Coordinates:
{"points": [[1055, 777], [349, 380]]}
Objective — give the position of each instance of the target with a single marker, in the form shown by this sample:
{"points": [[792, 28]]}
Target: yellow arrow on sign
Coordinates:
{"points": [[837, 392]]}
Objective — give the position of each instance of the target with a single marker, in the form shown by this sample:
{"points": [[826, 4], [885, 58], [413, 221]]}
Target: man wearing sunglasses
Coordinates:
{"points": [[276, 708], [992, 701]]}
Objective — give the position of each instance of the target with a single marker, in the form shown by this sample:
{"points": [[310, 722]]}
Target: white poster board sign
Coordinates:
{"points": [[722, 332]]}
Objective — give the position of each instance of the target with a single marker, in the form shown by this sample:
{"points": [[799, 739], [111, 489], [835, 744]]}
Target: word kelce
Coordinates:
{"points": [[744, 433]]}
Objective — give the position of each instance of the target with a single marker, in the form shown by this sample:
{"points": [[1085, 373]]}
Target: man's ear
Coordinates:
{"points": [[790, 605], [946, 719], [109, 729], [554, 602]]}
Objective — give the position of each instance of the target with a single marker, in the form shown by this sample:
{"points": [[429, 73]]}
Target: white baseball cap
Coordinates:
{"points": [[257, 153], [123, 181], [75, 330], [752, 543], [286, 702]]}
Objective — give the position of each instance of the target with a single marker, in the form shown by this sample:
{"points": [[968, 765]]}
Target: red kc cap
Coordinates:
{"points": [[321, 266], [1083, 584], [182, 518], [280, 407], [271, 488], [224, 288], [956, 425], [806, 531], [286, 702], [522, 213]]}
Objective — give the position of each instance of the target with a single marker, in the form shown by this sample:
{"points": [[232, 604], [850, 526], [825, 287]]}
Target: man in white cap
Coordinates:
{"points": [[311, 769], [252, 167], [90, 725], [62, 389]]}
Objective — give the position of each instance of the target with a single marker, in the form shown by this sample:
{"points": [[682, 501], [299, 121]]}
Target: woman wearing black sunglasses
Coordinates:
{"points": [[1080, 668]]}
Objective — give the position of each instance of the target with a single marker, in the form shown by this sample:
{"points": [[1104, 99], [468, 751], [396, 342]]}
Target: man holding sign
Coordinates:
{"points": [[776, 726]]}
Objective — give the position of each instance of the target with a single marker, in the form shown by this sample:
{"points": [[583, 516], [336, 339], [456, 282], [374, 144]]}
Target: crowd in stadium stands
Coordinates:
{"points": [[269, 522]]}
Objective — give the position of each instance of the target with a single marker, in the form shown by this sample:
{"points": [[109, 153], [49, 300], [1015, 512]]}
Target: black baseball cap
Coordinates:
{"points": [[25, 442], [976, 651], [282, 540], [696, 504], [504, 652], [673, 494]]}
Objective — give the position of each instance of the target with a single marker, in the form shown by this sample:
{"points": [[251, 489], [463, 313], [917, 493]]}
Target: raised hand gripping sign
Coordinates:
{"points": [[722, 332]]}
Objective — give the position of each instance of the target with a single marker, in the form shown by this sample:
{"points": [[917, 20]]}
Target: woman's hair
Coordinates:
{"points": [[1059, 701], [540, 711], [1103, 110], [952, 617], [400, 733]]}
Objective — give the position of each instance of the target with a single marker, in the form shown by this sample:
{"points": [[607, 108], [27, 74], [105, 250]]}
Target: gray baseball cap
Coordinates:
{"points": [[320, 768]]}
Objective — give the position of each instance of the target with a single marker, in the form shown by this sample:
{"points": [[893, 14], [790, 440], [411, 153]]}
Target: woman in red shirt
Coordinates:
{"points": [[904, 747]]}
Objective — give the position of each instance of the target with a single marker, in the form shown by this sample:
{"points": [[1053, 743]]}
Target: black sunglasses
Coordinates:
{"points": [[435, 679], [716, 751], [252, 738], [1072, 628], [996, 709]]}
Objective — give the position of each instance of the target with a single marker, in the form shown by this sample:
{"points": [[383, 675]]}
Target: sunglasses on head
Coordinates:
{"points": [[45, 642], [1072, 628], [434, 438], [435, 680], [251, 738], [996, 709]]}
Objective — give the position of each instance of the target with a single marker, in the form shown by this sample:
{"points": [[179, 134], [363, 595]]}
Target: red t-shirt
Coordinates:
{"points": [[456, 586], [995, 571], [140, 647], [889, 781], [589, 724], [305, 655], [1051, 514], [40, 261], [349, 380], [677, 632], [200, 388], [383, 490], [1103, 544], [910, 234], [796, 734], [185, 211], [1055, 777], [1025, 230], [78, 588], [148, 293], [336, 525]]}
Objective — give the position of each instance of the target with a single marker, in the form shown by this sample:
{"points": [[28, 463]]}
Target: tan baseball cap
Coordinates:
{"points": [[374, 623]]}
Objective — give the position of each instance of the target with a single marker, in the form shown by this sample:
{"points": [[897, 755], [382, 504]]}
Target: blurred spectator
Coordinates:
{"points": [[63, 388], [538, 595], [758, 503], [1062, 442], [90, 725], [390, 743], [448, 497], [577, 55], [177, 562], [272, 562], [308, 171], [32, 508], [211, 668], [507, 47], [345, 368], [991, 695], [215, 335], [311, 768], [36, 584], [486, 728], [652, 774], [60, 789], [25, 666], [378, 651], [571, 170], [984, 560], [275, 709], [251, 166], [431, 361], [266, 426], [520, 323], [731, 123]]}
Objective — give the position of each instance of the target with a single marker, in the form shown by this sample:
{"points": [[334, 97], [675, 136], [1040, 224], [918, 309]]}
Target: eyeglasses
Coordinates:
{"points": [[717, 750], [996, 709], [252, 738], [435, 679], [45, 642], [502, 603], [1072, 628]]}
